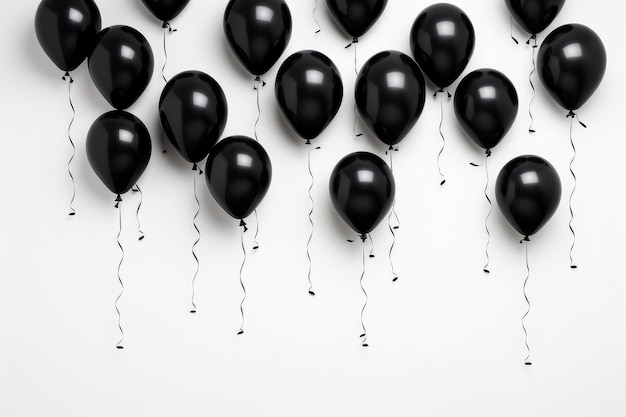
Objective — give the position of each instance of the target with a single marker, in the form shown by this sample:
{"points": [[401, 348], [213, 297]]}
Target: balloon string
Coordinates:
{"points": [[308, 243], [138, 190], [167, 28], [372, 246], [356, 113], [119, 276], [69, 136], [486, 267], [571, 196], [530, 80], [394, 214], [319, 28], [527, 359], [257, 86], [193, 247], [443, 139], [511, 25], [364, 334], [243, 288], [256, 232]]}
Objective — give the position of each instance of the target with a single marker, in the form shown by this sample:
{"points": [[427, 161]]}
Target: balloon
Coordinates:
{"points": [[390, 93], [257, 31], [356, 17], [571, 63], [118, 149], [362, 189], [193, 112], [534, 15], [121, 65], [238, 174], [165, 10], [309, 92], [528, 191], [442, 41], [67, 30], [485, 104]]}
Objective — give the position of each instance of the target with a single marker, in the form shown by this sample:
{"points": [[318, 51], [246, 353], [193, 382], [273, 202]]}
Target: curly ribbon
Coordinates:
{"points": [[527, 359], [136, 189], [443, 139], [487, 155], [571, 116], [259, 83], [308, 243], [530, 80], [118, 205], [70, 80], [319, 28], [355, 40], [193, 247], [167, 28], [392, 213], [244, 229], [363, 335]]}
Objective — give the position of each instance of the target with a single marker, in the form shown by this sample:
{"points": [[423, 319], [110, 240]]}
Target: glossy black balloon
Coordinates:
{"points": [[534, 15], [390, 93], [362, 189], [193, 113], [238, 174], [309, 92], [528, 191], [118, 149], [356, 17], [121, 65], [165, 10], [442, 42], [67, 30], [486, 104], [571, 63], [257, 32]]}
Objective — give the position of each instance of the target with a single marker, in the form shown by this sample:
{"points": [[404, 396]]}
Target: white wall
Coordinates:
{"points": [[445, 340]]}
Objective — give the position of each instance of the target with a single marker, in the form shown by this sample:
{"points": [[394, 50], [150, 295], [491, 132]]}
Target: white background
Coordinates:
{"points": [[445, 339]]}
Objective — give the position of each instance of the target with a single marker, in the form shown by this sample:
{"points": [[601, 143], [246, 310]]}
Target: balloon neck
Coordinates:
{"points": [[526, 239], [67, 76], [571, 114], [532, 38], [354, 40], [118, 200], [488, 153], [243, 224], [363, 237], [195, 167], [259, 81], [308, 142], [166, 25]]}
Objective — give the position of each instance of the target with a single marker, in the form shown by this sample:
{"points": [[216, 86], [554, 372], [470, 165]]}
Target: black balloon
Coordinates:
{"points": [[67, 30], [362, 189], [534, 15], [238, 174], [193, 112], [165, 10], [528, 191], [442, 42], [390, 93], [118, 149], [257, 31], [571, 64], [356, 17], [309, 92], [121, 65], [485, 104]]}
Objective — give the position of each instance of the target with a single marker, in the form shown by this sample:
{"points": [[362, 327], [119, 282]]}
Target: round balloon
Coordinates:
{"points": [[121, 65], [528, 191], [193, 113], [165, 10], [362, 189], [390, 93], [356, 17], [534, 15], [238, 174], [571, 64], [257, 32], [309, 92], [118, 149], [67, 30], [485, 104], [442, 42]]}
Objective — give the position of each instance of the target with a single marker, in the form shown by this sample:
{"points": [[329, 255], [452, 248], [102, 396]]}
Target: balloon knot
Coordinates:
{"points": [[194, 167], [526, 239], [571, 114], [243, 224], [308, 142], [488, 153], [118, 199], [363, 237], [355, 40]]}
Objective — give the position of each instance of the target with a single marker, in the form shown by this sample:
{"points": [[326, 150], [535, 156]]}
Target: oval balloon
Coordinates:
{"points": [[528, 191], [165, 10], [442, 42], [67, 30], [257, 32], [390, 93], [356, 17], [534, 15], [118, 149], [238, 174], [362, 189], [193, 113], [309, 92], [486, 104], [571, 63], [121, 65]]}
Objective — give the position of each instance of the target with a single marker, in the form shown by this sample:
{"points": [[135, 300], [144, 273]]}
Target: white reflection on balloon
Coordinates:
{"points": [[200, 100], [530, 177], [446, 28], [365, 175], [244, 160], [396, 79], [264, 13], [314, 77], [125, 136], [76, 15], [573, 50], [487, 93], [127, 52]]}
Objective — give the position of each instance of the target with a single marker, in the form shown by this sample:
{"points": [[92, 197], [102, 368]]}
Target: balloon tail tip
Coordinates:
{"points": [[486, 271], [311, 293], [239, 332], [119, 347], [573, 266], [192, 311], [528, 363]]}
